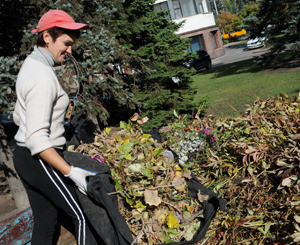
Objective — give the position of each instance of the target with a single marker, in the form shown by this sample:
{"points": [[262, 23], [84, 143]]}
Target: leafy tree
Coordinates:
{"points": [[228, 21], [279, 20], [248, 10]]}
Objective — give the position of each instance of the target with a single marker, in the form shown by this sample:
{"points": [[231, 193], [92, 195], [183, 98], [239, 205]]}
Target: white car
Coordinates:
{"points": [[258, 42]]}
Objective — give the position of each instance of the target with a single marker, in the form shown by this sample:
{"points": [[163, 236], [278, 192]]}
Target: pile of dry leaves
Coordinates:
{"points": [[152, 188]]}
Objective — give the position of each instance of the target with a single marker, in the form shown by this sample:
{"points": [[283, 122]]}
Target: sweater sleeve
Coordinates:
{"points": [[16, 115], [39, 101]]}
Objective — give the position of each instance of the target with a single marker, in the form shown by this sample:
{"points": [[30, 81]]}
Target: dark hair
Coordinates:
{"points": [[56, 32]]}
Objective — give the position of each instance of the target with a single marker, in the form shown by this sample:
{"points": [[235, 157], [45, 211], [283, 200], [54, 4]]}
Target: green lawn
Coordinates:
{"points": [[242, 83]]}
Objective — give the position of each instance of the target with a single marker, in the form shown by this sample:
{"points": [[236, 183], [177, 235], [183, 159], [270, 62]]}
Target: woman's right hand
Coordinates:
{"points": [[78, 176]]}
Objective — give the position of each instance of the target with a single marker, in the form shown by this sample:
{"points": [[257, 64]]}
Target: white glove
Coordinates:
{"points": [[78, 176]]}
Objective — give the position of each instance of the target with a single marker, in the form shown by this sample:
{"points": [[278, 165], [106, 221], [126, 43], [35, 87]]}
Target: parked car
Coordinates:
{"points": [[202, 61], [234, 34], [257, 42]]}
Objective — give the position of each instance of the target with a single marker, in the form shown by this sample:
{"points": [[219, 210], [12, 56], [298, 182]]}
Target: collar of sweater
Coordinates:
{"points": [[43, 56]]}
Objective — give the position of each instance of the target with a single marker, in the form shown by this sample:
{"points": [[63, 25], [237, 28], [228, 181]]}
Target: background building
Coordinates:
{"points": [[199, 26]]}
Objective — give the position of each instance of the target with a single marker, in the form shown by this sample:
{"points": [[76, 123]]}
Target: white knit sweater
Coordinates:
{"points": [[41, 104]]}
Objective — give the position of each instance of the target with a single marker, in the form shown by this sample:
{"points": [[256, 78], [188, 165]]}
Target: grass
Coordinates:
{"points": [[230, 87]]}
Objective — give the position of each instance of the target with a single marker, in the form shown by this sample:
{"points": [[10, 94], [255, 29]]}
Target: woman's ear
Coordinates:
{"points": [[47, 37]]}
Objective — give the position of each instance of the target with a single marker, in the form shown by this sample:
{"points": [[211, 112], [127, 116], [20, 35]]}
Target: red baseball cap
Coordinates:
{"points": [[58, 18]]}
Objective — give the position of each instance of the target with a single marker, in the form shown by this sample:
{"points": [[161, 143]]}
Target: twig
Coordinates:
{"points": [[232, 176], [143, 230], [112, 193], [192, 217], [204, 241], [146, 231], [141, 189], [170, 204], [234, 109]]}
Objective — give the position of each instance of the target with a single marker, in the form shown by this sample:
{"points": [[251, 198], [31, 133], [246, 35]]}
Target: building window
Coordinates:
{"points": [[214, 36], [163, 6], [201, 6], [195, 43], [208, 5], [184, 8]]}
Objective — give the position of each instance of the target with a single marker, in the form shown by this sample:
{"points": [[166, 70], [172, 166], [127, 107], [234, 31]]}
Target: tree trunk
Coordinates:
{"points": [[15, 185]]}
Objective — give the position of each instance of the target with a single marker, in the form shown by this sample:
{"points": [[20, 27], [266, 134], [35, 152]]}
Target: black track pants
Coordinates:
{"points": [[49, 193]]}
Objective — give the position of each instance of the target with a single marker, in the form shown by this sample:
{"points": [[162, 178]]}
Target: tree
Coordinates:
{"points": [[156, 54], [228, 21], [279, 20], [102, 94], [130, 33], [248, 10]]}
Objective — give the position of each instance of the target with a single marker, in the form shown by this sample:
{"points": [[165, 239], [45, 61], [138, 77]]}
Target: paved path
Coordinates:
{"points": [[237, 52]]}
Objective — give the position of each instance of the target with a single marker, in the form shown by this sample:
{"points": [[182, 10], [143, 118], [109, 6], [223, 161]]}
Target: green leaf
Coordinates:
{"points": [[137, 167], [158, 151], [147, 172], [123, 124], [192, 230], [127, 147]]}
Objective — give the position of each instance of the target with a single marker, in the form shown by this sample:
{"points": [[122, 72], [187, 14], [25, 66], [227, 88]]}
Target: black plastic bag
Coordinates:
{"points": [[101, 209]]}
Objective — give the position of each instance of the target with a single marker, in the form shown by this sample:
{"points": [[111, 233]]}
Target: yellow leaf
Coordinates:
{"points": [[127, 139], [145, 137], [171, 221], [107, 130], [178, 174], [143, 140], [178, 168], [127, 156]]}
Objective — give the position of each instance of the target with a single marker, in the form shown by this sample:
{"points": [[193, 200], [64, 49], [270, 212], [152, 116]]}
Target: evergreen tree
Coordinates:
{"points": [[279, 20], [156, 56], [102, 94], [130, 33]]}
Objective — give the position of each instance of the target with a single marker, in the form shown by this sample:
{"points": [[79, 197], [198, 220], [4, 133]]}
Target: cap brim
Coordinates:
{"points": [[74, 26], [69, 26]]}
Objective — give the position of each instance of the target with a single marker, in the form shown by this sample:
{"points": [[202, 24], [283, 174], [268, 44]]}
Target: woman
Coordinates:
{"points": [[39, 113]]}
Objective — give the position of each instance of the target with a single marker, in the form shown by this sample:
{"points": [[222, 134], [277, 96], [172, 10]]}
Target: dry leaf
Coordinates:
{"points": [[187, 174], [151, 197], [190, 209], [202, 197], [160, 215], [135, 117], [143, 120], [286, 182], [296, 137], [179, 183]]}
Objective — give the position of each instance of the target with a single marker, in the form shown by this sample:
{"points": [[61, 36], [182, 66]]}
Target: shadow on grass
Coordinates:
{"points": [[246, 66], [254, 65]]}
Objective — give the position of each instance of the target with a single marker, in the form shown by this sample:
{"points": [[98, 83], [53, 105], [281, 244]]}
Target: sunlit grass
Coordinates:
{"points": [[230, 87]]}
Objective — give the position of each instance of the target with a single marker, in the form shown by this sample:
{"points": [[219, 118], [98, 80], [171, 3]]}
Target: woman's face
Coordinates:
{"points": [[61, 47]]}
